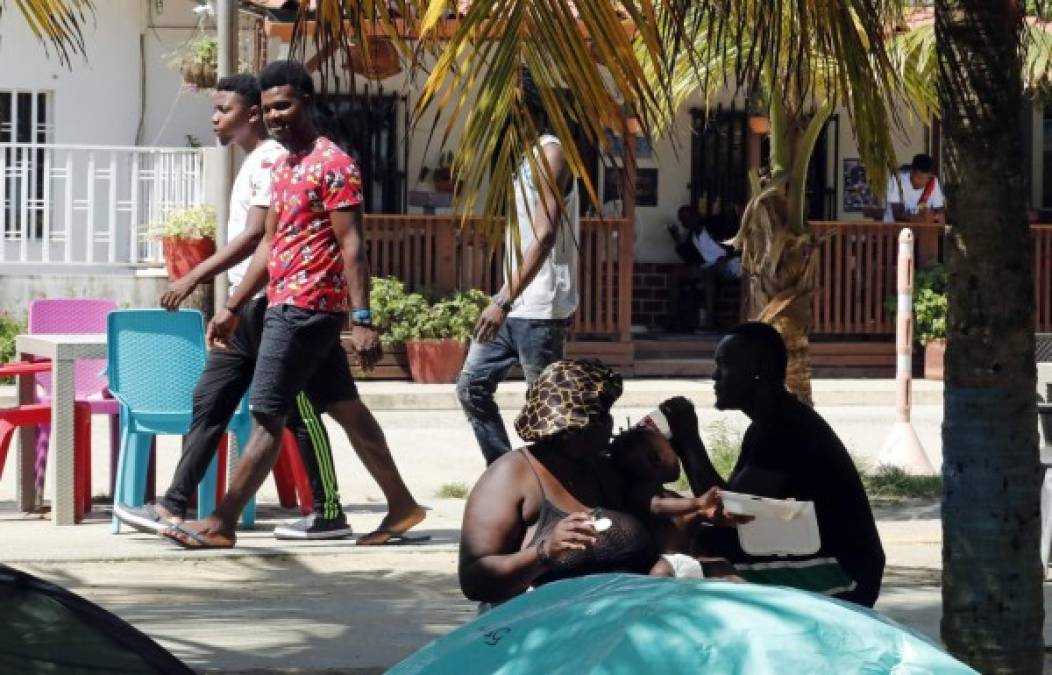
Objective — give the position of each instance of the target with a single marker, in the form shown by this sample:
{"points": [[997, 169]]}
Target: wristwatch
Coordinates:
{"points": [[362, 317], [503, 303]]}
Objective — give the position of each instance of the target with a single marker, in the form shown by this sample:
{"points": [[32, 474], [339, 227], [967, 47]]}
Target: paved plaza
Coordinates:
{"points": [[270, 606]]}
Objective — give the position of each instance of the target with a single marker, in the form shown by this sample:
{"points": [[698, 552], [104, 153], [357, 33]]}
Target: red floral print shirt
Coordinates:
{"points": [[305, 266]]}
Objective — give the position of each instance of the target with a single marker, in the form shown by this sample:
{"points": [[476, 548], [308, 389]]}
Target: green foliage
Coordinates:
{"points": [[203, 49], [723, 443], [894, 483], [885, 483], [403, 316], [455, 490], [929, 303], [196, 222], [9, 328]]}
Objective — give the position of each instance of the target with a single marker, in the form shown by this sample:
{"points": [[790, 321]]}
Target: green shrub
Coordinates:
{"points": [[888, 482], [456, 490], [723, 443], [9, 328], [403, 316], [929, 303]]}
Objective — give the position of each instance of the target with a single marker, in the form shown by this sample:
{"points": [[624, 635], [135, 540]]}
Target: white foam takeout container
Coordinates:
{"points": [[781, 526]]}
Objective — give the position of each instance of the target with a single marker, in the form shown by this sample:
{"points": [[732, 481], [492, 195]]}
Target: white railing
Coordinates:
{"points": [[84, 204]]}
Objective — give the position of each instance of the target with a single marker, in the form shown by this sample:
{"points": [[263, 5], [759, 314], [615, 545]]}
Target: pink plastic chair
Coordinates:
{"points": [[75, 315]]}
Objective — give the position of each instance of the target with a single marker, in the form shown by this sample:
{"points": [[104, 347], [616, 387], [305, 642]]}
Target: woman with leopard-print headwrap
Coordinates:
{"points": [[555, 509]]}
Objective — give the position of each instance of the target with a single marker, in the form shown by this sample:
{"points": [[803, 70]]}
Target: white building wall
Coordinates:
{"points": [[98, 99]]}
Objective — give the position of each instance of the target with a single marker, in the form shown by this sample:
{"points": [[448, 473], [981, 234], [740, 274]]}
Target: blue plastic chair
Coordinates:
{"points": [[155, 360]]}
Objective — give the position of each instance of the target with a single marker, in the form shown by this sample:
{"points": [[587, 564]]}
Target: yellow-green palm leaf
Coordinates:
{"points": [[56, 23]]}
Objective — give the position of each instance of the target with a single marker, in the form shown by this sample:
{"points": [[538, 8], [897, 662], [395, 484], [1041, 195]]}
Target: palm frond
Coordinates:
{"points": [[812, 52], [56, 23]]}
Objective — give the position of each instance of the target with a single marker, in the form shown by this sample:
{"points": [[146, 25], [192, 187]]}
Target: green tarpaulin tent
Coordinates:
{"points": [[45, 629]]}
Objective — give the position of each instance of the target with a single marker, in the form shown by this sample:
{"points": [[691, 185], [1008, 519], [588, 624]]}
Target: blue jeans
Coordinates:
{"points": [[531, 343]]}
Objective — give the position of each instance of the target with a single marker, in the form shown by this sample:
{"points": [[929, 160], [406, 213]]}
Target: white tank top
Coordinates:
{"points": [[553, 292]]}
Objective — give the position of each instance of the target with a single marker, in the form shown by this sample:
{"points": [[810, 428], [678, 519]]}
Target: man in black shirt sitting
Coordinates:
{"points": [[788, 452]]}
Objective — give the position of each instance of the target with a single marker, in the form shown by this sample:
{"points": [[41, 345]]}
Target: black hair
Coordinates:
{"points": [[768, 348], [291, 73], [244, 85], [532, 101], [923, 163]]}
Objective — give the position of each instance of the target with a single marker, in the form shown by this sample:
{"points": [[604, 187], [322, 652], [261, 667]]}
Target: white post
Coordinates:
{"points": [[903, 448], [226, 23]]}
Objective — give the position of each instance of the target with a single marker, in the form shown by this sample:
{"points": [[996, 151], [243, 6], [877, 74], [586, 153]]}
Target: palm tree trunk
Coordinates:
{"points": [[992, 578]]}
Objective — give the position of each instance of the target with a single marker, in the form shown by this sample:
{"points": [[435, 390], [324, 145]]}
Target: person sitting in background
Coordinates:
{"points": [[708, 262], [788, 452], [914, 194]]}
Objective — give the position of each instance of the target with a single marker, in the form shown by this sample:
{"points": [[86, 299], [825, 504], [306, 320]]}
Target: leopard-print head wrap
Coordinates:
{"points": [[566, 397]]}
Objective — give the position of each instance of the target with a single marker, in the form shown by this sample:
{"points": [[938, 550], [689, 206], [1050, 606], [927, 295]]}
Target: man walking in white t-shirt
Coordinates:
{"points": [[914, 194], [237, 118], [527, 321]]}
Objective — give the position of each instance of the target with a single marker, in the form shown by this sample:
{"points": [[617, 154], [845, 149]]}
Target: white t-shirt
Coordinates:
{"points": [[909, 196], [708, 247], [251, 188], [553, 292]]}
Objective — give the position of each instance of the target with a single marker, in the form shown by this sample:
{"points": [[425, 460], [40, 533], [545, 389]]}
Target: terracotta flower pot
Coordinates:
{"points": [[933, 358], [182, 255], [435, 361], [443, 180], [384, 61], [759, 124]]}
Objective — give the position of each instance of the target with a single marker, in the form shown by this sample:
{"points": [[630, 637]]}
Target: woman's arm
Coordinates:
{"points": [[492, 567]]}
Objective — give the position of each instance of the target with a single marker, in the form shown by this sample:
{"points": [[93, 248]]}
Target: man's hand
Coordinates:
{"points": [[366, 343], [221, 328], [682, 419], [177, 292], [490, 321]]}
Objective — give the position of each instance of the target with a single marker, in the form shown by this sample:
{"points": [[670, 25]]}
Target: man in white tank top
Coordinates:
{"points": [[527, 321]]}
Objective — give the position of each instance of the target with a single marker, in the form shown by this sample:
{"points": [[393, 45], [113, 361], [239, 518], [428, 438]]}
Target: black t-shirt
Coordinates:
{"points": [[794, 453]]}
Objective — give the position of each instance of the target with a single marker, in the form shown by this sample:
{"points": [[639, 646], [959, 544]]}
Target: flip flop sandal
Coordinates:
{"points": [[394, 538], [193, 540]]}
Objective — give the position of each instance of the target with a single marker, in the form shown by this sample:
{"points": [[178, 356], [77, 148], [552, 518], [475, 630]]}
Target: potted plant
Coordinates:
{"points": [[199, 61], [436, 331], [188, 237], [929, 317], [442, 176], [757, 109], [384, 61]]}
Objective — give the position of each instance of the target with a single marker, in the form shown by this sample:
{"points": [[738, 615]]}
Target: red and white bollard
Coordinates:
{"points": [[903, 448]]}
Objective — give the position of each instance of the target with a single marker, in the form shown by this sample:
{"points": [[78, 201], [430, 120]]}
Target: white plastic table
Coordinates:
{"points": [[64, 351]]}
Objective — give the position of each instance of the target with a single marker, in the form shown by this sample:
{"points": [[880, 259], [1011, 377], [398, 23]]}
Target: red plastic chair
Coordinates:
{"points": [[40, 413], [290, 476]]}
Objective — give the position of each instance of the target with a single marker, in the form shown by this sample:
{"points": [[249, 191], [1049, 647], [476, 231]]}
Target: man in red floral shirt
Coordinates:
{"points": [[315, 256]]}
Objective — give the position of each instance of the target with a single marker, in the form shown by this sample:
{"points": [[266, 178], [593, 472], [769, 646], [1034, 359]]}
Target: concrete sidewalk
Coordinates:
{"points": [[268, 605], [275, 606]]}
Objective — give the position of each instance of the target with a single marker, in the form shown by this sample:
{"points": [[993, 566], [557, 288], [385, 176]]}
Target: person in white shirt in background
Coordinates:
{"points": [[709, 261], [527, 321], [914, 194]]}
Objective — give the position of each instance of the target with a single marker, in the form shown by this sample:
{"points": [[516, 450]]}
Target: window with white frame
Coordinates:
{"points": [[25, 121]]}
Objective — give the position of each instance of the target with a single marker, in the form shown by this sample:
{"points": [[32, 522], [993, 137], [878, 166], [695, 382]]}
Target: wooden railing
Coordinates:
{"points": [[437, 252], [857, 269]]}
